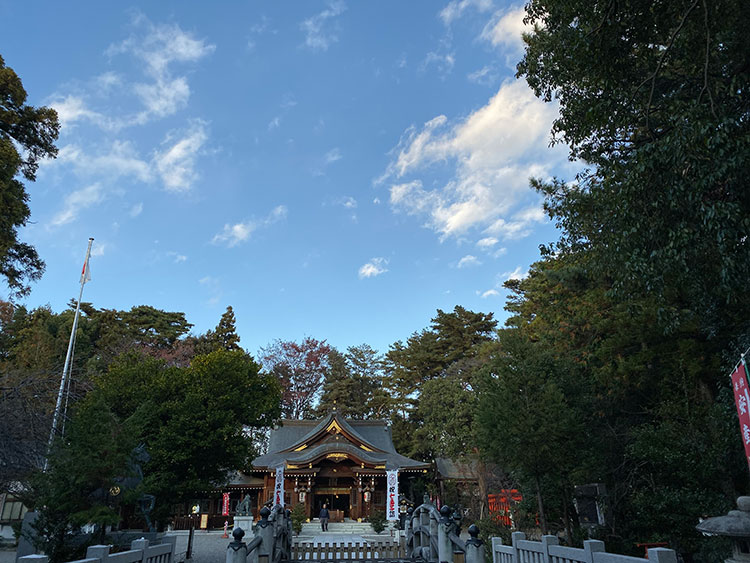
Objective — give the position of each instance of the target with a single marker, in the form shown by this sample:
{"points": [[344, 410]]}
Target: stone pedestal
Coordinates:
{"points": [[244, 522]]}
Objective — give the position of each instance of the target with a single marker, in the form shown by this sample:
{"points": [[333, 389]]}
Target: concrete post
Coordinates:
{"points": [[474, 547], [264, 528], [142, 545], [100, 552], [445, 547], [590, 547], [172, 541], [662, 555], [33, 559], [546, 542], [237, 549], [516, 537]]}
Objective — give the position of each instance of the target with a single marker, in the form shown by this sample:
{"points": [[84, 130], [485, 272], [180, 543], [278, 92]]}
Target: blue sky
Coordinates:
{"points": [[333, 169]]}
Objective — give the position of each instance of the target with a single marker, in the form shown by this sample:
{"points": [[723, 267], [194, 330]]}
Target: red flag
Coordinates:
{"points": [[742, 401]]}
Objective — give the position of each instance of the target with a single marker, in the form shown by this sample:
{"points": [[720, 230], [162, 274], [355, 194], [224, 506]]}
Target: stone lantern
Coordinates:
{"points": [[735, 525]]}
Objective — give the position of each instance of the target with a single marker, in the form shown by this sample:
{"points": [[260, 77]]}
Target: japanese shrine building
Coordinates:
{"points": [[335, 461]]}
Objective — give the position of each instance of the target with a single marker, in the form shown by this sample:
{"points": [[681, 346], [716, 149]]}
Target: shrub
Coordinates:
{"points": [[298, 517], [377, 521]]}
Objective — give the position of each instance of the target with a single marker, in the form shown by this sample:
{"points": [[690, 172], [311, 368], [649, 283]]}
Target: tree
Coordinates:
{"points": [[195, 418], [34, 131], [82, 470], [300, 369], [353, 384], [653, 98], [223, 337]]}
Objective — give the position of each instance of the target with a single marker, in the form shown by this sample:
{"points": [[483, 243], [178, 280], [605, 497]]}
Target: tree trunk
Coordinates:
{"points": [[542, 518]]}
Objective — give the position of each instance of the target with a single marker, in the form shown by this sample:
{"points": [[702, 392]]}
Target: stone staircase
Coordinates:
{"points": [[338, 528]]}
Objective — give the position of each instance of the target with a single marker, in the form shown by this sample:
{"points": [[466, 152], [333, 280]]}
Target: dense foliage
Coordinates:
{"points": [[33, 131]]}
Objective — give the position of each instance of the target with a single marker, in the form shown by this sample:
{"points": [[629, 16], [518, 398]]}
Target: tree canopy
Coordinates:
{"points": [[33, 131]]}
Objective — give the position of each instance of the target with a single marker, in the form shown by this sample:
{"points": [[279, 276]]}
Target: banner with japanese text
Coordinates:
{"points": [[392, 500], [279, 489], [742, 401], [225, 504]]}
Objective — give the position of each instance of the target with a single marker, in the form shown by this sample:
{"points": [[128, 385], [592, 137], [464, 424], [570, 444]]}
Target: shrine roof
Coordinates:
{"points": [[298, 442]]}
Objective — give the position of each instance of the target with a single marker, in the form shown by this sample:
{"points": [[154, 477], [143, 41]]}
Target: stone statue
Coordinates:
{"points": [[243, 508]]}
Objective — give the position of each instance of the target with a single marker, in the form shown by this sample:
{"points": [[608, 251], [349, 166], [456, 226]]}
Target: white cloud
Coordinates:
{"points": [[136, 210], [505, 31], [443, 62], [120, 160], [274, 123], [373, 268], [177, 257], [318, 34], [77, 201], [232, 235], [487, 75], [494, 151], [488, 293], [456, 8], [175, 164], [487, 242], [468, 261], [517, 274], [160, 47], [349, 202], [333, 155], [99, 248]]}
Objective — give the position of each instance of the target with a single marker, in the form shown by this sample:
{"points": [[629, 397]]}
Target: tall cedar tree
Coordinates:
{"points": [[34, 131]]}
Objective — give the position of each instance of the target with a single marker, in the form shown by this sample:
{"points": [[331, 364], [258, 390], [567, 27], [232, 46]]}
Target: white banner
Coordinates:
{"points": [[279, 489], [391, 503]]}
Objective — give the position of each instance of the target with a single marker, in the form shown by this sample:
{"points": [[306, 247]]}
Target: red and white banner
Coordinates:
{"points": [[279, 490], [391, 478], [742, 401], [225, 504]]}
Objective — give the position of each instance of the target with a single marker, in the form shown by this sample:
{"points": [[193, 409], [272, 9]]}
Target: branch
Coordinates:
{"points": [[705, 64], [663, 57]]}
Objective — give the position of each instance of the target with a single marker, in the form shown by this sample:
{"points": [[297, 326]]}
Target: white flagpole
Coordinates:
{"points": [[66, 367]]}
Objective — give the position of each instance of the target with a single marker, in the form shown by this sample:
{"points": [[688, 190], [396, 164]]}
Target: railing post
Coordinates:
{"points": [[172, 541], [496, 542], [100, 552], [33, 559], [516, 537], [474, 546], [590, 547], [445, 548], [662, 555], [142, 545], [546, 542], [264, 528], [237, 549]]}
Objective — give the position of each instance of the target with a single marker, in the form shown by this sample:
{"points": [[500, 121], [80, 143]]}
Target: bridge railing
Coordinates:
{"points": [[140, 552], [271, 542], [525, 551]]}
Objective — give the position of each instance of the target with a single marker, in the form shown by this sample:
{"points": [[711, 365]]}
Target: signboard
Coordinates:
{"points": [[204, 521], [742, 401], [279, 489], [225, 504], [391, 508]]}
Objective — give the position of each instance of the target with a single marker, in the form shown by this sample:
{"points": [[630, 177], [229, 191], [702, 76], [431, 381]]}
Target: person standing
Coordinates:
{"points": [[324, 516]]}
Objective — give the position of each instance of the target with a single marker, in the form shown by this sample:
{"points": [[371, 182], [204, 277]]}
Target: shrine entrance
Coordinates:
{"points": [[337, 501]]}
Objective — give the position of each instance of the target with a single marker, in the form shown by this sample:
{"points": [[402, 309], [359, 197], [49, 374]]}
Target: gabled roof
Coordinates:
{"points": [[304, 442]]}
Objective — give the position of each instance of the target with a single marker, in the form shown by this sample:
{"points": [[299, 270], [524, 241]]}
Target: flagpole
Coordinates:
{"points": [[66, 367]]}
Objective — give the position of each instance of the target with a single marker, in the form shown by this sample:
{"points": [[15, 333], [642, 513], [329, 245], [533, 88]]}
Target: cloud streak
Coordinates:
{"points": [[319, 33], [237, 233], [373, 268]]}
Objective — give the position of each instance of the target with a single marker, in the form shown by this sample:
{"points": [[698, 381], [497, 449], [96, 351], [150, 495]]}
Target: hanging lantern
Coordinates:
{"points": [[367, 496]]}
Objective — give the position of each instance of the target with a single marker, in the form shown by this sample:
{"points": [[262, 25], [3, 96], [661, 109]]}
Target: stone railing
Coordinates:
{"points": [[548, 550], [140, 552], [271, 542], [433, 536]]}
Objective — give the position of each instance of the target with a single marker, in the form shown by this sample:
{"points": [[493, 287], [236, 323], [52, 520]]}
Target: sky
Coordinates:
{"points": [[333, 169]]}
